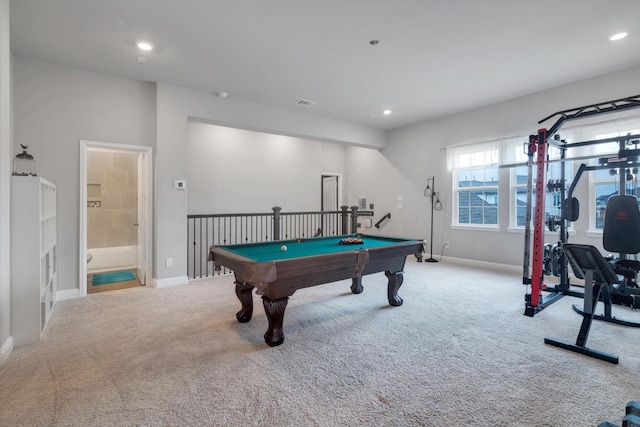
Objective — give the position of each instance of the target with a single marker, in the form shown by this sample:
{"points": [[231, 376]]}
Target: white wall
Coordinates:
{"points": [[5, 177], [372, 176], [414, 154], [333, 158], [56, 107], [235, 170]]}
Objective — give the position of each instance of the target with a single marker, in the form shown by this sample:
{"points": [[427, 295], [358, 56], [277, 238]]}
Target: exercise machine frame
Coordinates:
{"points": [[533, 266]]}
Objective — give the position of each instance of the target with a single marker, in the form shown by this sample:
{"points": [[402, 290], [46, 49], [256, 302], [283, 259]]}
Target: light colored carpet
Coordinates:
{"points": [[458, 352]]}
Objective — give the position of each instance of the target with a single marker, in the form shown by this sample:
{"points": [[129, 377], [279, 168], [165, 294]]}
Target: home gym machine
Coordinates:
{"points": [[607, 280], [541, 259]]}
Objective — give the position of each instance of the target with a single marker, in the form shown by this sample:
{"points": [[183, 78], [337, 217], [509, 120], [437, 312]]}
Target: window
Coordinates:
{"points": [[476, 183], [604, 186], [477, 196], [552, 201], [606, 182]]}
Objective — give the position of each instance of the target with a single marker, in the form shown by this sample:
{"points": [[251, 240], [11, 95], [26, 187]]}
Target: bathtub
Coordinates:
{"points": [[114, 258]]}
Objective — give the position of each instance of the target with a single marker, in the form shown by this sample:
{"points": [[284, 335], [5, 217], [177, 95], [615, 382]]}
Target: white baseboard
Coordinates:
{"points": [[170, 281], [6, 350], [508, 268], [67, 294], [224, 276], [155, 283]]}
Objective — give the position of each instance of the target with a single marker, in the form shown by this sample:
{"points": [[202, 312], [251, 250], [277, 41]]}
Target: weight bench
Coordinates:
{"points": [[621, 233], [588, 263]]}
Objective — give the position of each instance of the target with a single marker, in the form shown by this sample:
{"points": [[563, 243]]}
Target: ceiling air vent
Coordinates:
{"points": [[305, 102]]}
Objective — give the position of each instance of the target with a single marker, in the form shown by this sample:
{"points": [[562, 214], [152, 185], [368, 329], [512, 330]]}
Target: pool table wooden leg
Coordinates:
{"points": [[356, 285], [275, 314], [243, 292], [395, 281]]}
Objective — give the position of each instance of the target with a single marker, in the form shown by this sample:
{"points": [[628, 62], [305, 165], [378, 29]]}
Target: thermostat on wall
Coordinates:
{"points": [[180, 185]]}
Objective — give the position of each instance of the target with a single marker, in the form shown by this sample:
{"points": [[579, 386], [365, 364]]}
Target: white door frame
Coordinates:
{"points": [[339, 177], [85, 145]]}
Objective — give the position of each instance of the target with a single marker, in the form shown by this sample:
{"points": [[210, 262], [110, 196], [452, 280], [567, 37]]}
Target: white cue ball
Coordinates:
{"points": [[283, 248]]}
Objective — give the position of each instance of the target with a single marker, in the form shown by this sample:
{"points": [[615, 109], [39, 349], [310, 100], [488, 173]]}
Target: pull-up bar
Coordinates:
{"points": [[591, 110]]}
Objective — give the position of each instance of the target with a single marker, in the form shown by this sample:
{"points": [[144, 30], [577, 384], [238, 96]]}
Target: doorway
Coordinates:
{"points": [[330, 199], [115, 213]]}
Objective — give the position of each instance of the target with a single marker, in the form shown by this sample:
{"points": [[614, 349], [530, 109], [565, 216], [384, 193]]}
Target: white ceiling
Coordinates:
{"points": [[434, 57]]}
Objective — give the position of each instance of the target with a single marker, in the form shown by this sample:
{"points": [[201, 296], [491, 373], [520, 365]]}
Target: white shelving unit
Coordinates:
{"points": [[34, 257]]}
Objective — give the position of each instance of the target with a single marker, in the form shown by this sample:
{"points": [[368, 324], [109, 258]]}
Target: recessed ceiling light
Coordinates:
{"points": [[386, 112], [618, 36], [144, 46]]}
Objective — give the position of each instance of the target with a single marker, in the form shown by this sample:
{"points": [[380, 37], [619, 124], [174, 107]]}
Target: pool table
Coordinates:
{"points": [[277, 272]]}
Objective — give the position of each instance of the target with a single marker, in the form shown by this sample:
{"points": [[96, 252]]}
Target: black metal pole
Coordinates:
{"points": [[433, 192]]}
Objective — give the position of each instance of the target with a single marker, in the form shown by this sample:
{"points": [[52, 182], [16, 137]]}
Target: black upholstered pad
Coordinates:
{"points": [[587, 257], [622, 225]]}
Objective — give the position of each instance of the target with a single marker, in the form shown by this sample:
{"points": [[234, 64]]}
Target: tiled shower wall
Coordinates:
{"points": [[112, 199]]}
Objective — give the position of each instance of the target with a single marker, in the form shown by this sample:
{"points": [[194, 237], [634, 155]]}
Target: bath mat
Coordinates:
{"points": [[111, 277]]}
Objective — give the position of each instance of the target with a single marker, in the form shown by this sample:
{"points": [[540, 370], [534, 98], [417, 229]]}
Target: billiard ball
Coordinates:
{"points": [[283, 248]]}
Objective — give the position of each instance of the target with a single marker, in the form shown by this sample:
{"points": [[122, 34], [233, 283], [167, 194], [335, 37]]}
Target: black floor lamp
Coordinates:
{"points": [[436, 204]]}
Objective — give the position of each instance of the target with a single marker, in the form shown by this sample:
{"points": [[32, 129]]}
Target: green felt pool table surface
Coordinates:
{"points": [[272, 251]]}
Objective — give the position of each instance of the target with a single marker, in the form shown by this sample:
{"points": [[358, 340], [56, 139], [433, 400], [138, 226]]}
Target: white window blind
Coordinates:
{"points": [[489, 153], [602, 129], [511, 150]]}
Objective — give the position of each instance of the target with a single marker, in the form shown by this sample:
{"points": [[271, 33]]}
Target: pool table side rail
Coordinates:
{"points": [[381, 261], [248, 270], [242, 266]]}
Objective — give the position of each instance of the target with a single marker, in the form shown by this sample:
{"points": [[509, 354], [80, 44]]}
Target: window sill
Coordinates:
{"points": [[493, 228], [520, 230], [594, 233]]}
